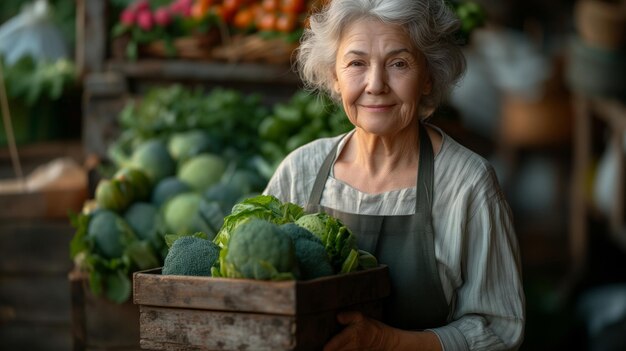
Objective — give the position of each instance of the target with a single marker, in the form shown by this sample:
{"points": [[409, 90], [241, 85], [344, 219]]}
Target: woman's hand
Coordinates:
{"points": [[361, 333]]}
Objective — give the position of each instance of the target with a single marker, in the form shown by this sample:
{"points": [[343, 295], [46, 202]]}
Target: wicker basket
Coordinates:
{"points": [[254, 48], [196, 47]]}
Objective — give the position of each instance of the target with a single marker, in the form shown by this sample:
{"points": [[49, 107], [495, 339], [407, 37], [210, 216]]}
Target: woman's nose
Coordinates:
{"points": [[376, 80]]}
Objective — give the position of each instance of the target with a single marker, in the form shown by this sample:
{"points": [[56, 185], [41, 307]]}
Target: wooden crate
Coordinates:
{"points": [[98, 323], [35, 234], [204, 313], [34, 294]]}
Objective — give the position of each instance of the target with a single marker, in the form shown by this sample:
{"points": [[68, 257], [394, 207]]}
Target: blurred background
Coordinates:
{"points": [[84, 83]]}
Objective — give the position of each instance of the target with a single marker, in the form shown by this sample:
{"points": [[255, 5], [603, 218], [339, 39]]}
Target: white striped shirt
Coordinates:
{"points": [[475, 243]]}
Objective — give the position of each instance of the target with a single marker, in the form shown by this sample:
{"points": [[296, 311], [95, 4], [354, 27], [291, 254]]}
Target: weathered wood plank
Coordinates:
{"points": [[91, 35], [333, 292], [35, 246], [216, 330], [220, 294], [36, 299], [35, 337], [101, 324], [206, 71], [288, 297]]}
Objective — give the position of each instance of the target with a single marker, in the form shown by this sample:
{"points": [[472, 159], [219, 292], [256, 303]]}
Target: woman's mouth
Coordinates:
{"points": [[378, 107]]}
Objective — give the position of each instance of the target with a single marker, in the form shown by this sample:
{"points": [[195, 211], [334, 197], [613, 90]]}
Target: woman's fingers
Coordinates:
{"points": [[349, 317]]}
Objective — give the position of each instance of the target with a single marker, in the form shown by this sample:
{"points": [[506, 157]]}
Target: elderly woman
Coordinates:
{"points": [[426, 206]]}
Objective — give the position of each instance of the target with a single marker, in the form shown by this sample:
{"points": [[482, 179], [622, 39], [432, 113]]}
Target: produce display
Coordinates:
{"points": [[212, 23], [122, 230], [183, 163], [266, 239]]}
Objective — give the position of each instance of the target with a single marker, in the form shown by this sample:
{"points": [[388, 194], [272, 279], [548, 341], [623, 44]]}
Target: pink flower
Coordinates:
{"points": [[128, 17], [141, 5], [176, 8], [145, 20], [182, 7], [186, 3], [162, 17]]}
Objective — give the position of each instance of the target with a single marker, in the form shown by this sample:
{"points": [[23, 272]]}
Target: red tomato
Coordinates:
{"points": [[267, 21], [244, 18], [270, 5], [292, 6], [286, 22], [232, 5]]}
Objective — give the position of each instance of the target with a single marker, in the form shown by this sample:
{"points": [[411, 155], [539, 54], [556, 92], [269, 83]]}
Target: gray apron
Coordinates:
{"points": [[404, 243]]}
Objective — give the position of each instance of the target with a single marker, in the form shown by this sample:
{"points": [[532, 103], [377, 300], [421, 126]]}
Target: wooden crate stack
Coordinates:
{"points": [[35, 233]]}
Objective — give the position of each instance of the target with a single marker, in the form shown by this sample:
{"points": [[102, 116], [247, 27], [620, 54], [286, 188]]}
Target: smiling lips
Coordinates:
{"points": [[378, 107]]}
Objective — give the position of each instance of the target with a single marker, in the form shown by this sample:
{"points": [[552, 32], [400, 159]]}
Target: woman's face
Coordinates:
{"points": [[380, 77]]}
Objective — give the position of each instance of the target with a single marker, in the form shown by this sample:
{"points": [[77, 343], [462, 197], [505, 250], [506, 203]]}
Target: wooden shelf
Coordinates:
{"points": [[205, 71]]}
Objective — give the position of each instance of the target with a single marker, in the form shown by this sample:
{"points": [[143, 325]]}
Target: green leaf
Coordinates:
{"points": [[367, 260], [132, 51], [351, 262], [95, 282], [142, 255], [118, 287], [79, 242], [119, 29]]}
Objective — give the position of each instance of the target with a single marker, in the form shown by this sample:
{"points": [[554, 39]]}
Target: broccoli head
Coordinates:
{"points": [[191, 255], [313, 261], [258, 249]]}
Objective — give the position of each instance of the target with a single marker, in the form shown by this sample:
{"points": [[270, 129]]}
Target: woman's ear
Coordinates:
{"points": [[336, 88], [428, 86]]}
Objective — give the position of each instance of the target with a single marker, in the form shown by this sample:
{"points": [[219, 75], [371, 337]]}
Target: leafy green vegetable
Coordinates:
{"points": [[138, 180], [153, 158], [110, 233], [167, 188], [304, 118], [229, 119], [367, 260], [191, 255], [202, 171], [258, 249], [313, 261], [114, 194], [184, 145], [33, 80], [105, 247], [338, 240], [265, 207], [146, 221]]}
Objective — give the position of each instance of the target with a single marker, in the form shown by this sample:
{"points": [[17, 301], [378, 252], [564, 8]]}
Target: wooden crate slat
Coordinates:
{"points": [[217, 330], [219, 294], [42, 299], [337, 291], [35, 247], [288, 297]]}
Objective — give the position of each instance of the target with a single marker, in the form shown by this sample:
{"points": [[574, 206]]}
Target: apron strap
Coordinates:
{"points": [[320, 181], [424, 187]]}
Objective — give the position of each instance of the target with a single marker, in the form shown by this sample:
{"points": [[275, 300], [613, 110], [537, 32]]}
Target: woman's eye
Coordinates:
{"points": [[355, 64], [399, 64]]}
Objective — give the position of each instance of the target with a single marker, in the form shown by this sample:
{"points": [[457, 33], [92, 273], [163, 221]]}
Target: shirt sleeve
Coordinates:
{"points": [[489, 305]]}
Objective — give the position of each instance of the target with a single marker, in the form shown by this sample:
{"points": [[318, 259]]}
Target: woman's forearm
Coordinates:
{"points": [[414, 340]]}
